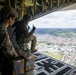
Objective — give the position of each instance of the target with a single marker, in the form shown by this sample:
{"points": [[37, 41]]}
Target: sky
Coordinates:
{"points": [[59, 19]]}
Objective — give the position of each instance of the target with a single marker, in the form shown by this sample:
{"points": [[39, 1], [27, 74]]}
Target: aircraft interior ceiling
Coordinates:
{"points": [[38, 8]]}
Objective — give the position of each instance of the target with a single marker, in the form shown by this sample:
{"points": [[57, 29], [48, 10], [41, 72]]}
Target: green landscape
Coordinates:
{"points": [[54, 55]]}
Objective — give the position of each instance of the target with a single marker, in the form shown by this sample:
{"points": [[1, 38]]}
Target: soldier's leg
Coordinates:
{"points": [[33, 44], [33, 41]]}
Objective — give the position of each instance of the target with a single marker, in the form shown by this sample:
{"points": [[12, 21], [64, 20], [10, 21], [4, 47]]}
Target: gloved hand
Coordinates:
{"points": [[19, 52], [33, 29]]}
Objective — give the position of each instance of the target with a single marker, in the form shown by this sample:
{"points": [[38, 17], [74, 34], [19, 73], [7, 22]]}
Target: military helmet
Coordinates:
{"points": [[6, 11], [27, 17]]}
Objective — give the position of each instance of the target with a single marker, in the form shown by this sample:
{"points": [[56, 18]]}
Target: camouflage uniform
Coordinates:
{"points": [[24, 36], [7, 52], [6, 44]]}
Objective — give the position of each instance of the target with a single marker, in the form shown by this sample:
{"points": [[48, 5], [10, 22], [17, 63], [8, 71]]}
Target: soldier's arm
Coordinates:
{"points": [[6, 43], [32, 31], [8, 46], [2, 32], [25, 31]]}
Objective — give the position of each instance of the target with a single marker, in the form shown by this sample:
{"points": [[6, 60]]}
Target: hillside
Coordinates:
{"points": [[61, 32]]}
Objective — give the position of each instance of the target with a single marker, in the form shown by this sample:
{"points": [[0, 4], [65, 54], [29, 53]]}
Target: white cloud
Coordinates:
{"points": [[62, 19]]}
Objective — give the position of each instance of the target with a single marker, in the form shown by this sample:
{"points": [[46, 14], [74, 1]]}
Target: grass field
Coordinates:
{"points": [[54, 55]]}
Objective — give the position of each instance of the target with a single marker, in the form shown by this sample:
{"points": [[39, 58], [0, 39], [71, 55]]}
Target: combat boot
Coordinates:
{"points": [[34, 50]]}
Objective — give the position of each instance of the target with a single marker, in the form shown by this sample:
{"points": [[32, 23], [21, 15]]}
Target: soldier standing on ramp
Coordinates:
{"points": [[7, 51]]}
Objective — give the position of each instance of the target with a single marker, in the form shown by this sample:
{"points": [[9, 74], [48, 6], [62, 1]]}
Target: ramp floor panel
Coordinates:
{"points": [[45, 65]]}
